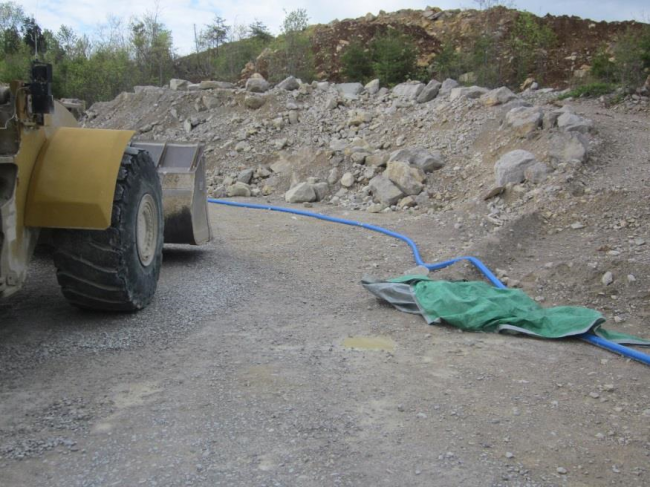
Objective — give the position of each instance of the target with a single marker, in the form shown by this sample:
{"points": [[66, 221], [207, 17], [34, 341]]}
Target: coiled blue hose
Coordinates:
{"points": [[587, 337]]}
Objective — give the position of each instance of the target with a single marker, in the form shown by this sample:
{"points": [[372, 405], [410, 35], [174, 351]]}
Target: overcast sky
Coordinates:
{"points": [[181, 15]]}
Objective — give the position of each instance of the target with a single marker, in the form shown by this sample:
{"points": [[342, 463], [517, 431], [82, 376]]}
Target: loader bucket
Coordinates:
{"points": [[185, 199]]}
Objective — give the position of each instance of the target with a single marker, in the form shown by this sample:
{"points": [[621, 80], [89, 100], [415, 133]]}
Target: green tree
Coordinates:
{"points": [[529, 42], [394, 57], [356, 63], [258, 30], [632, 57]]}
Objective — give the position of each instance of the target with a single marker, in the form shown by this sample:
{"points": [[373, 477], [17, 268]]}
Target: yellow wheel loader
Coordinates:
{"points": [[108, 202]]}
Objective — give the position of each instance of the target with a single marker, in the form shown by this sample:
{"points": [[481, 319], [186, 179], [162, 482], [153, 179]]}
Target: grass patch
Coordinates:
{"points": [[590, 90]]}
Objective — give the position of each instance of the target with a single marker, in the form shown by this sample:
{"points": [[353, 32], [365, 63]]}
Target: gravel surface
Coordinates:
{"points": [[242, 373]]}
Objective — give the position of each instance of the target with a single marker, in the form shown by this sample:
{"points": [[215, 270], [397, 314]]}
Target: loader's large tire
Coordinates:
{"points": [[117, 269]]}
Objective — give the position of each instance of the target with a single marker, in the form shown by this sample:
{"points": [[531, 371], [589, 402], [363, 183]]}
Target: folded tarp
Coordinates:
{"points": [[478, 306]]}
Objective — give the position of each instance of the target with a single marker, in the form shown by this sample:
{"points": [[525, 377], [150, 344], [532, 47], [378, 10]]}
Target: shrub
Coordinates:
{"points": [[632, 57], [447, 63]]}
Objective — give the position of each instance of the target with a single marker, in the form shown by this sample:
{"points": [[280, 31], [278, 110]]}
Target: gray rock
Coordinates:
{"points": [[570, 122], [136, 89], [216, 85], [373, 87], [257, 85], [243, 146], [429, 92], [524, 121], [570, 148], [536, 172], [409, 90], [321, 190], [511, 167], [426, 160], [448, 85], [463, 92], [322, 85], [338, 144], [210, 102], [350, 91], [245, 176], [607, 278], [178, 84], [347, 180], [254, 101], [289, 84], [378, 159], [293, 117], [333, 176], [406, 177], [332, 102], [194, 87], [497, 97], [238, 189], [300, 193], [385, 191]]}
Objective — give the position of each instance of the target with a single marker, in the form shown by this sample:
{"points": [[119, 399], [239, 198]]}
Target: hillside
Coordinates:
{"points": [[494, 36]]}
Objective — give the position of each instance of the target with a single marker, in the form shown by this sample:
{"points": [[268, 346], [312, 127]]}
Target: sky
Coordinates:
{"points": [[180, 16]]}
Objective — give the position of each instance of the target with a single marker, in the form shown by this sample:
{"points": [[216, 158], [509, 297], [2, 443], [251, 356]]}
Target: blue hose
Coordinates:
{"points": [[587, 337]]}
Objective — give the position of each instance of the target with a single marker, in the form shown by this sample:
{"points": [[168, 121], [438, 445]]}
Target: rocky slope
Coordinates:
{"points": [[547, 191]]}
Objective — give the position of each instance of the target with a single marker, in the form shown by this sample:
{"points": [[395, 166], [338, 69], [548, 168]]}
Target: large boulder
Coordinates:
{"points": [[409, 90], [254, 101], [497, 97], [570, 122], [301, 193], [385, 191], [426, 160], [289, 84], [511, 167], [373, 87], [570, 148], [350, 91], [406, 177], [448, 85], [257, 84], [524, 121], [464, 92], [429, 92], [216, 85], [239, 189], [377, 159], [178, 84]]}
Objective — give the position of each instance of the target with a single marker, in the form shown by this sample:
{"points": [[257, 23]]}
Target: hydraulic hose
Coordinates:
{"points": [[489, 275]]}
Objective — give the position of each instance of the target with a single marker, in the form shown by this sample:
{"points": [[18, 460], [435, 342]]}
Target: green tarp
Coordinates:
{"points": [[478, 306]]}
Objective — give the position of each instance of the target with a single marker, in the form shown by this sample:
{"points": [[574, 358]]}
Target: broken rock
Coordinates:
{"points": [[524, 121], [289, 84], [406, 177], [497, 97], [426, 160], [409, 90], [385, 191], [300, 193], [512, 166], [429, 92]]}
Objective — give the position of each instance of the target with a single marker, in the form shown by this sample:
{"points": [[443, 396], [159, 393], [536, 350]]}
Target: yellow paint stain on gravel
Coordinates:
{"points": [[376, 343], [129, 395]]}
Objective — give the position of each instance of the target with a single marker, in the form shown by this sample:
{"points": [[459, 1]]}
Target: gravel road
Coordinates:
{"points": [[242, 372]]}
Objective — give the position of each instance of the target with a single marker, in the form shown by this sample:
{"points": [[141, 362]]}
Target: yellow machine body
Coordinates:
{"points": [[54, 174], [73, 182]]}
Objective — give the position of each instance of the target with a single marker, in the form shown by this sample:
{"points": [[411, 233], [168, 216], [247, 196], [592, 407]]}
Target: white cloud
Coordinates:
{"points": [[181, 15]]}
